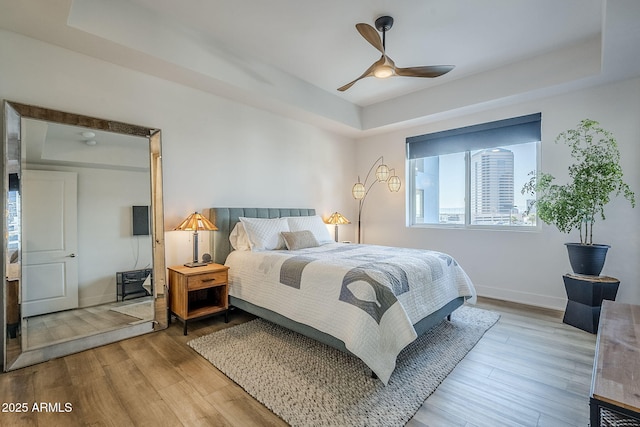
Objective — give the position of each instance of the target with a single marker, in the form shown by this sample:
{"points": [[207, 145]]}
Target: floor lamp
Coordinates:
{"points": [[382, 174]]}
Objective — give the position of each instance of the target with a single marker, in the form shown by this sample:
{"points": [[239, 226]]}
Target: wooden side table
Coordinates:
{"points": [[196, 292], [615, 390]]}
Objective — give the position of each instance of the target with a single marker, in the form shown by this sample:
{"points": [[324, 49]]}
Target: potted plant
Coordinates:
{"points": [[594, 177]]}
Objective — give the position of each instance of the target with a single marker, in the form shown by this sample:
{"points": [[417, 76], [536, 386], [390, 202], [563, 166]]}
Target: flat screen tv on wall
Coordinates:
{"points": [[140, 220]]}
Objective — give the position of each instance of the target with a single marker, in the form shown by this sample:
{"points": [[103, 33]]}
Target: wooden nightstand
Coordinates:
{"points": [[198, 292]]}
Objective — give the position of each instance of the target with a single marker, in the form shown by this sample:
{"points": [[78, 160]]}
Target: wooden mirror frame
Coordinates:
{"points": [[12, 117]]}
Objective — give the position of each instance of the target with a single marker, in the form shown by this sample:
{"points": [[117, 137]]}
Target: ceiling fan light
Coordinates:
{"points": [[383, 71]]}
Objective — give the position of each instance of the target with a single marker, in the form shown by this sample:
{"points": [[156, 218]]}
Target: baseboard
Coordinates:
{"points": [[528, 298]]}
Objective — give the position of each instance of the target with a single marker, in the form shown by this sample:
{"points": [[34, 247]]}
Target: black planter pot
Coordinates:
{"points": [[587, 259]]}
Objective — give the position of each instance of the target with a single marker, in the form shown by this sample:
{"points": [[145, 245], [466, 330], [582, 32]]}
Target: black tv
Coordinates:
{"points": [[140, 220]]}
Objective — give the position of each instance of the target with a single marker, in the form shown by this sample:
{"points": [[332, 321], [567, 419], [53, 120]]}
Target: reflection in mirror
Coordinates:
{"points": [[11, 205], [82, 254]]}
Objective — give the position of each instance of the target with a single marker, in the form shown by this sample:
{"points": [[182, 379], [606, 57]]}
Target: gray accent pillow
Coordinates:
{"points": [[315, 224], [299, 239]]}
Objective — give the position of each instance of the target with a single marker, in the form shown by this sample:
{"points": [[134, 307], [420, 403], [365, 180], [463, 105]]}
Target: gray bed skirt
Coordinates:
{"points": [[421, 327]]}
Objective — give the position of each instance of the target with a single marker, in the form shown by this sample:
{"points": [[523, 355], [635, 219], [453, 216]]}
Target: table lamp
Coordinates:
{"points": [[336, 219], [196, 222]]}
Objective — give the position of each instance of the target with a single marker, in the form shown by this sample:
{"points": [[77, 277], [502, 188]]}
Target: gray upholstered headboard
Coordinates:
{"points": [[226, 218]]}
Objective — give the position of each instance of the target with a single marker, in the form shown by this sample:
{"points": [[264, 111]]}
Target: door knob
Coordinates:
{"points": [[72, 255]]}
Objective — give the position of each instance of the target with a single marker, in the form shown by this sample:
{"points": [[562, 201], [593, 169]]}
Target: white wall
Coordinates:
{"points": [[525, 267], [215, 152]]}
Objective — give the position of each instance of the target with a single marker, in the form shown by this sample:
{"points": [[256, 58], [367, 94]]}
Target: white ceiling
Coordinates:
{"points": [[317, 42], [48, 143], [289, 56]]}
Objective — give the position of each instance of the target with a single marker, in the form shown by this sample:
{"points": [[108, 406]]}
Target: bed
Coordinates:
{"points": [[314, 286]]}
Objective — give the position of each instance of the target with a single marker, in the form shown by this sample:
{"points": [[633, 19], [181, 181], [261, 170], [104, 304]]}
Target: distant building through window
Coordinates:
{"points": [[492, 197]]}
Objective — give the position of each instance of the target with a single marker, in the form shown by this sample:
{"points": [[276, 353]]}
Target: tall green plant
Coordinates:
{"points": [[595, 176]]}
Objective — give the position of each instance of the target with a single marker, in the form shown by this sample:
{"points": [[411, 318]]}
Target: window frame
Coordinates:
{"points": [[410, 191]]}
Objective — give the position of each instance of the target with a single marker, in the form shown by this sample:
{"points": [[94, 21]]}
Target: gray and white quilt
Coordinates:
{"points": [[367, 296]]}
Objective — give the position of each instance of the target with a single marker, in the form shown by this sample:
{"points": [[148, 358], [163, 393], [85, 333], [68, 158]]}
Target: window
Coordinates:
{"points": [[419, 203], [13, 213], [472, 176]]}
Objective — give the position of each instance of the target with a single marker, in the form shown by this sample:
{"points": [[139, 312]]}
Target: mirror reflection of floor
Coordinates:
{"points": [[13, 347], [66, 325]]}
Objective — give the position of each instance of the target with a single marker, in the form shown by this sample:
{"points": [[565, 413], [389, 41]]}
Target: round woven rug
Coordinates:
{"points": [[307, 383]]}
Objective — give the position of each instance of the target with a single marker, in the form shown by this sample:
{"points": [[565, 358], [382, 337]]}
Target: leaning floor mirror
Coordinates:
{"points": [[83, 233]]}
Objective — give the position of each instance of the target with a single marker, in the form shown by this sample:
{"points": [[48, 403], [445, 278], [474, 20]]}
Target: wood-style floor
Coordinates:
{"points": [[528, 370], [62, 326]]}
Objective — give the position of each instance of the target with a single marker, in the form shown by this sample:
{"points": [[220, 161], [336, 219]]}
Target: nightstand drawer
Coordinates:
{"points": [[206, 280]]}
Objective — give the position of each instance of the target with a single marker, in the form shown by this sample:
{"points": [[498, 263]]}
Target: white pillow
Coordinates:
{"points": [[238, 238], [264, 234], [313, 223]]}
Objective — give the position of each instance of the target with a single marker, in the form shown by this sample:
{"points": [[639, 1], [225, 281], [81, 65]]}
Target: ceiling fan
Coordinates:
{"points": [[385, 67]]}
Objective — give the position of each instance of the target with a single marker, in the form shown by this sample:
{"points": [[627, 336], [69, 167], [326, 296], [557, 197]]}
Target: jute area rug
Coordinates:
{"points": [[307, 383]]}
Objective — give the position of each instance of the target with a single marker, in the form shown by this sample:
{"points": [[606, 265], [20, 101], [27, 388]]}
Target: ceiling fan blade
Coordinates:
{"points": [[426, 71], [371, 35], [367, 73]]}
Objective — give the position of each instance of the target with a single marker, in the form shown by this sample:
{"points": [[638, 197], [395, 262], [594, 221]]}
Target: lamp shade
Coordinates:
{"points": [[394, 183], [358, 191], [382, 172], [337, 218], [196, 222]]}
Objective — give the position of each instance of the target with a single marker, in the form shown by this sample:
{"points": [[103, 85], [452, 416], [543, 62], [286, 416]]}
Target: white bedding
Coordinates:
{"points": [[367, 296]]}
